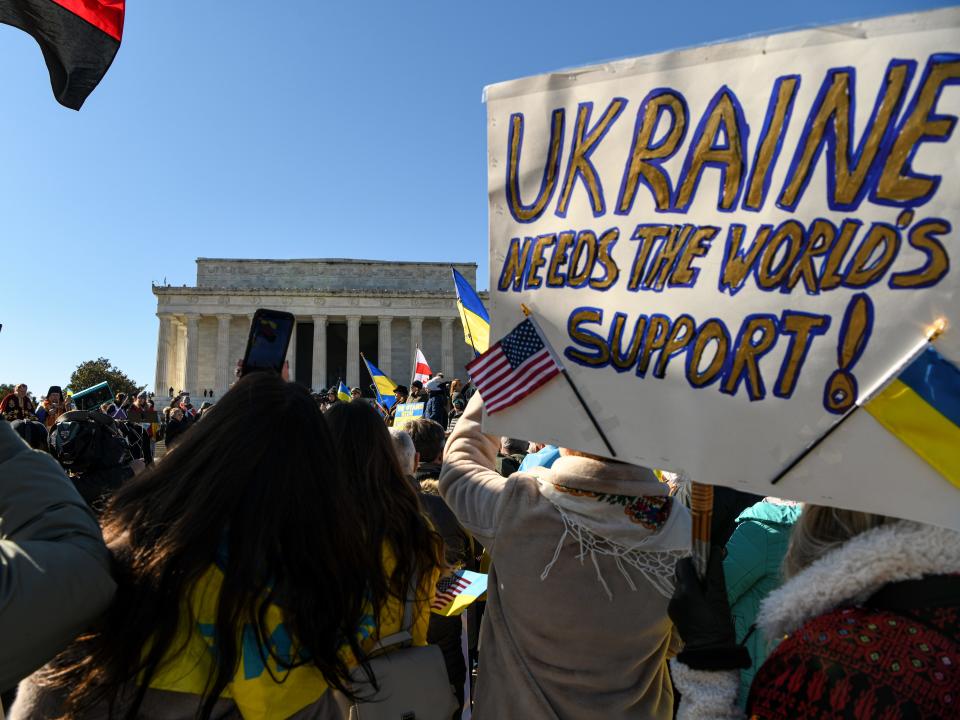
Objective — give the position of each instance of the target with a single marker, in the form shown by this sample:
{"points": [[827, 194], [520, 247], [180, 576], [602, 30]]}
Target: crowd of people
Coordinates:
{"points": [[286, 539], [443, 401]]}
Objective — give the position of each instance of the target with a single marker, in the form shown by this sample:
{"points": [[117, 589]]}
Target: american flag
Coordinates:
{"points": [[513, 368], [447, 590]]}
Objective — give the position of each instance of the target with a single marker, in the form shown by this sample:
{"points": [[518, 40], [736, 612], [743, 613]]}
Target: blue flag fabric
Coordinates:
{"points": [[473, 315]]}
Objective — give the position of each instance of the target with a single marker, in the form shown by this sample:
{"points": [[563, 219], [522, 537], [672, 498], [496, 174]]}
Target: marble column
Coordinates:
{"points": [[164, 342], [223, 370], [319, 379], [192, 352], [353, 351], [416, 340], [385, 345], [181, 358], [446, 345], [292, 353]]}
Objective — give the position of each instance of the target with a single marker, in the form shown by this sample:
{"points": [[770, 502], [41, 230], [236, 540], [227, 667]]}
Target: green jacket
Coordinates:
{"points": [[54, 568], [752, 570]]}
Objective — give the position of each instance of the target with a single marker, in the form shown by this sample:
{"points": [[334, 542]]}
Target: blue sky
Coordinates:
{"points": [[282, 130]]}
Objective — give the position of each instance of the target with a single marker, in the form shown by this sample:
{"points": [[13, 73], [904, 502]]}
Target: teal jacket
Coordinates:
{"points": [[752, 570]]}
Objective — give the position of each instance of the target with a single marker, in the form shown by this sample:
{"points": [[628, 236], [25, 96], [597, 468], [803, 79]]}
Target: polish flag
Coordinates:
{"points": [[421, 371]]}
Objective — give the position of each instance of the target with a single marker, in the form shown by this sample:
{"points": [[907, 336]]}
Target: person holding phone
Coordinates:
{"points": [[52, 407], [248, 578], [270, 333]]}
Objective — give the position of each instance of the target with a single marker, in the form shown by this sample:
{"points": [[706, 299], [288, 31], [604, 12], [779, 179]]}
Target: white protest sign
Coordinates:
{"points": [[728, 246]]}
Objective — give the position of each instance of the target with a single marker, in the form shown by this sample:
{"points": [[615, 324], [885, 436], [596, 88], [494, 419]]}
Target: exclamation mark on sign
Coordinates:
{"points": [[841, 391]]}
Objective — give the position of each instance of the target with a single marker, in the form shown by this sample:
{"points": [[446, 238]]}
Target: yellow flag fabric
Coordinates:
{"points": [[920, 427], [385, 386], [921, 407], [257, 695], [473, 315], [476, 330], [457, 592]]}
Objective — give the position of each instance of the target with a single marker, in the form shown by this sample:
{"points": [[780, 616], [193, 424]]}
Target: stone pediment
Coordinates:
{"points": [[329, 275]]}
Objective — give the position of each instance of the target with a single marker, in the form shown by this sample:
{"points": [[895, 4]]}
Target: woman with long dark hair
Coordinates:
{"points": [[250, 581], [391, 512]]}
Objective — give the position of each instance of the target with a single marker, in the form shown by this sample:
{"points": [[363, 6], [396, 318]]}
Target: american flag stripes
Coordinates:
{"points": [[513, 368]]}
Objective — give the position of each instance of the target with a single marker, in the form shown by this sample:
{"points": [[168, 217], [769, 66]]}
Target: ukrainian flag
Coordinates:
{"points": [[343, 392], [383, 385], [458, 591], [921, 407], [473, 315]]}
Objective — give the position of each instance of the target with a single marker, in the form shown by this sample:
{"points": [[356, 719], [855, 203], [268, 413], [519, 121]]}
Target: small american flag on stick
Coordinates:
{"points": [[513, 367], [447, 590]]}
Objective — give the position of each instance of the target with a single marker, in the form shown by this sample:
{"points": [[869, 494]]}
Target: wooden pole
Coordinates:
{"points": [[701, 512]]}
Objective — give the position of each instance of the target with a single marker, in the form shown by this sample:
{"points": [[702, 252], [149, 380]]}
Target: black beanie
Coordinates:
{"points": [[34, 433]]}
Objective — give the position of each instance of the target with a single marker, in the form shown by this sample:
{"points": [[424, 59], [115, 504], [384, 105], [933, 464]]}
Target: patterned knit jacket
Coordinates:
{"points": [[872, 631]]}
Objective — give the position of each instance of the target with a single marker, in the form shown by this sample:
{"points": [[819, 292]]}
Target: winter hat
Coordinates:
{"points": [[33, 433]]}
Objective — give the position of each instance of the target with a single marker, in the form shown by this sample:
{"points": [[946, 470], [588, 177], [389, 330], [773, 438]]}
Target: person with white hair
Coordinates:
{"points": [[437, 398], [406, 452]]}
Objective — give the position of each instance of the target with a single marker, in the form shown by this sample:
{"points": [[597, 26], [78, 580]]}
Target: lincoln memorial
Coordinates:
{"points": [[383, 309]]}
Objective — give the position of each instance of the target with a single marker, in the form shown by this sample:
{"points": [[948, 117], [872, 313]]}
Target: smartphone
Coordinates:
{"points": [[267, 343]]}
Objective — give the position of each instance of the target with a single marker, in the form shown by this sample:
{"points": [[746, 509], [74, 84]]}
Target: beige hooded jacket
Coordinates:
{"points": [[565, 634]]}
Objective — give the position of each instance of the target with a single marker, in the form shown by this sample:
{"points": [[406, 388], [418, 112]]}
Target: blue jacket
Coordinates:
{"points": [[752, 570], [436, 408]]}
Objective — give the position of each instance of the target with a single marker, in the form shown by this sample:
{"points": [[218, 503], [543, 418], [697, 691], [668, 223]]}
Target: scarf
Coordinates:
{"points": [[648, 533]]}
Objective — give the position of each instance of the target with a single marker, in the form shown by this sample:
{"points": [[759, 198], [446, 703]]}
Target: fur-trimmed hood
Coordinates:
{"points": [[854, 571]]}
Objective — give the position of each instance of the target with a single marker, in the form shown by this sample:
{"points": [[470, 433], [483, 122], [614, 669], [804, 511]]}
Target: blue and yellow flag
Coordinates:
{"points": [[455, 593], [473, 315], [921, 407], [383, 385], [343, 392], [268, 685]]}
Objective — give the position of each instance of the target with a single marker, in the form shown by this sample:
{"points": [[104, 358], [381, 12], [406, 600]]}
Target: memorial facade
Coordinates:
{"points": [[343, 308]]}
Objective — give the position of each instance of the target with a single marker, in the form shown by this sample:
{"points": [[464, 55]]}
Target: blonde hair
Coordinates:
{"points": [[820, 529]]}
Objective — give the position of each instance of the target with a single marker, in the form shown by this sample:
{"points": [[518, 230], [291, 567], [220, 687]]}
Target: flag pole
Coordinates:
{"points": [[416, 353], [576, 392], [369, 374], [466, 326], [701, 516], [373, 382], [932, 334]]}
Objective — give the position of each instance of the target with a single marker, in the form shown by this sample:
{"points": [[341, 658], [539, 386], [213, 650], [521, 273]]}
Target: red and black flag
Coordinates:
{"points": [[79, 39]]}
